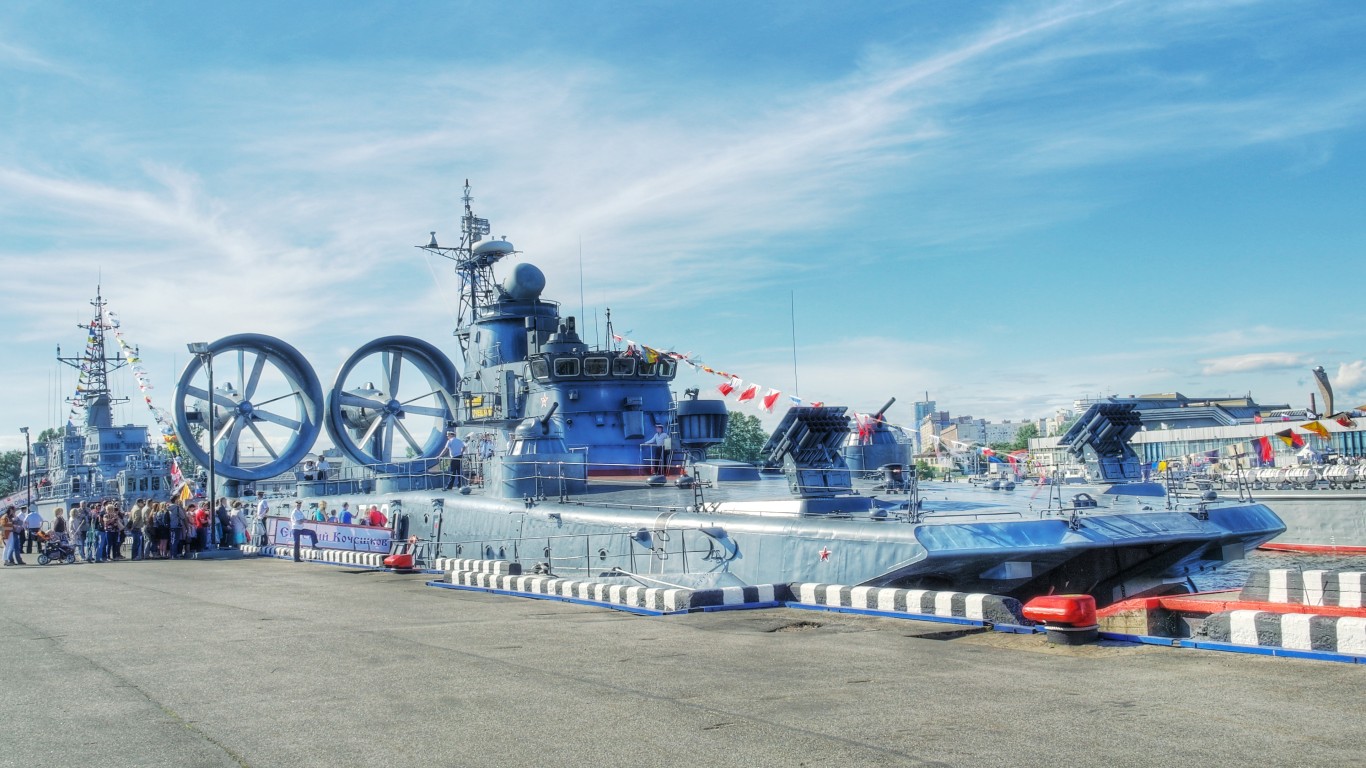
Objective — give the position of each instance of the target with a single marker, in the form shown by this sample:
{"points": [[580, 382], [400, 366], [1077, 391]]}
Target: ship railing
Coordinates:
{"points": [[78, 490], [662, 550], [471, 470], [554, 481], [976, 515]]}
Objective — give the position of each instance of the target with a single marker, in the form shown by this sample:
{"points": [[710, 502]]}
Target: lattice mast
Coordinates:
{"points": [[478, 289], [94, 366]]}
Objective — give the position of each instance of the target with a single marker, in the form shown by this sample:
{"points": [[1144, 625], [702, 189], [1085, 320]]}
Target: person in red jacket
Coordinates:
{"points": [[377, 518], [202, 522]]}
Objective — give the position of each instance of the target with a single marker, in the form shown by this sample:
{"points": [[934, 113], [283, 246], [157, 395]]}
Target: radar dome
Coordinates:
{"points": [[526, 282], [500, 247]]}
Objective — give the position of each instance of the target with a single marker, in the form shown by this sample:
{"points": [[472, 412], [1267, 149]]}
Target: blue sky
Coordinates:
{"points": [[1006, 205]]}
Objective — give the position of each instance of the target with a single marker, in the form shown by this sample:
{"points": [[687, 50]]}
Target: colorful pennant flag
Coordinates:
{"points": [[1264, 449], [1290, 438], [728, 387], [1345, 419], [1317, 428], [770, 399], [749, 393]]}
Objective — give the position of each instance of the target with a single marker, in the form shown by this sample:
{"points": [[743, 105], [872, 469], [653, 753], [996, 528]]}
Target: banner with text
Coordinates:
{"points": [[355, 538]]}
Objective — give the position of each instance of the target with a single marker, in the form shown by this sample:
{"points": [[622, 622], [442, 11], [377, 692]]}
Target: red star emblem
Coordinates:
{"points": [[825, 554]]}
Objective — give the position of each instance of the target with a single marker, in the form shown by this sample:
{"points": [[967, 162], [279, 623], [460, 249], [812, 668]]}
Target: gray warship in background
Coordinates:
{"points": [[96, 460], [560, 482]]}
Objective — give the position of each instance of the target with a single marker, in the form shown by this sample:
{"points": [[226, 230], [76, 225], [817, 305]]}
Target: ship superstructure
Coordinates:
{"points": [[521, 358], [96, 459]]}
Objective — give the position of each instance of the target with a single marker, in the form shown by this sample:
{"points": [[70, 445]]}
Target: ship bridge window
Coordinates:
{"points": [[567, 366], [666, 367], [540, 369], [595, 366], [624, 366]]}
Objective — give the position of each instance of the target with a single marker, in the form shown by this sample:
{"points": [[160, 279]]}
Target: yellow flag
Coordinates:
{"points": [[1317, 428], [1162, 466]]}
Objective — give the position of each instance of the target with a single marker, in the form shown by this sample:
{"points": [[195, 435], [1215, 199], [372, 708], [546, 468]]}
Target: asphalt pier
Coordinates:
{"points": [[262, 662]]}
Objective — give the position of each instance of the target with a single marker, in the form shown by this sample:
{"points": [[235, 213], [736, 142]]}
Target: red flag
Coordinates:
{"points": [[1264, 450], [749, 393], [1257, 419], [770, 399], [1345, 420], [729, 386]]}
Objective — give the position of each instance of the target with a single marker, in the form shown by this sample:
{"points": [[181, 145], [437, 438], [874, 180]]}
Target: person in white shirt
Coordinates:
{"points": [[262, 509], [657, 445], [455, 449], [297, 518], [33, 522]]}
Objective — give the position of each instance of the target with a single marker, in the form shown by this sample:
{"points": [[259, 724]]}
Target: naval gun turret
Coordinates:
{"points": [[538, 462], [873, 445]]}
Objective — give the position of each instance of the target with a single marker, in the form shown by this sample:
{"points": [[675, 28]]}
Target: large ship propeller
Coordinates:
{"points": [[390, 404], [265, 396]]}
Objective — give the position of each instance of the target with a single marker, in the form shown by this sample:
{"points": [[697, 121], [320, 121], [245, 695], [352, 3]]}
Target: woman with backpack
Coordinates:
{"points": [[179, 522], [162, 524], [80, 523]]}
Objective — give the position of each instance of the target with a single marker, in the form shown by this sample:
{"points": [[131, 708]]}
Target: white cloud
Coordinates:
{"points": [[1350, 380], [1255, 361], [21, 58]]}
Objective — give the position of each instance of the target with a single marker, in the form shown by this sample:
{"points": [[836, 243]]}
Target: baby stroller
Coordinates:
{"points": [[55, 548]]}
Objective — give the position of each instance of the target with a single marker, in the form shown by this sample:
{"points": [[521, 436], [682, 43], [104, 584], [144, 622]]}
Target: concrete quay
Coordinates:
{"points": [[262, 662]]}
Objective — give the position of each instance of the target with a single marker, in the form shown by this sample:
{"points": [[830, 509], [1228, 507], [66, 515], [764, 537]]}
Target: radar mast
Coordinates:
{"points": [[478, 289], [92, 391]]}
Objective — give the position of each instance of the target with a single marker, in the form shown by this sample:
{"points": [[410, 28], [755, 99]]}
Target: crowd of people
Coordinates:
{"points": [[318, 512], [104, 531]]}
